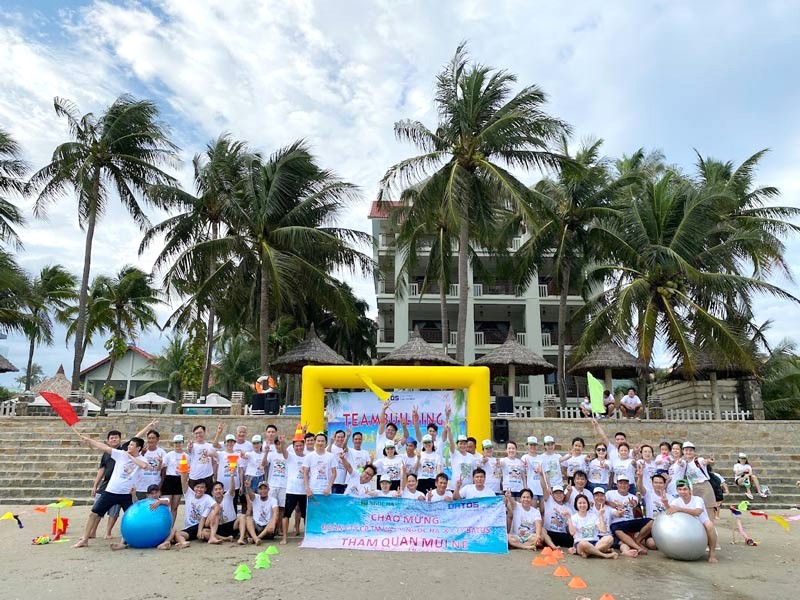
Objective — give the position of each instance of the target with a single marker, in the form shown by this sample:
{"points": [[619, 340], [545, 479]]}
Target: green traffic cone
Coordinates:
{"points": [[242, 573], [262, 562], [271, 550]]}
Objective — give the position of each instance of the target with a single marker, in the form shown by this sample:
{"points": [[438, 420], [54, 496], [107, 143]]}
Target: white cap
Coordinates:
{"points": [[461, 438], [532, 439], [742, 455], [623, 477], [389, 444], [177, 438], [599, 490], [257, 439], [688, 445], [230, 438], [385, 478], [558, 488], [487, 443], [427, 438], [549, 439]]}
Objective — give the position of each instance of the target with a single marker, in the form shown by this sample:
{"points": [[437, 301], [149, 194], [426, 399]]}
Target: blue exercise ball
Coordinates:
{"points": [[145, 528], [680, 536]]}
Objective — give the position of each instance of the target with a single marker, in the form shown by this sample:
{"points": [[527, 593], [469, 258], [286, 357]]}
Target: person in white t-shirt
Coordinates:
{"points": [[462, 463], [171, 484], [576, 460], [676, 470], [410, 457], [631, 531], [230, 477], [118, 490], [532, 461], [577, 487], [513, 471], [337, 446], [262, 514], [255, 465], [202, 459], [585, 407], [493, 467], [276, 472], [198, 507], [387, 431], [319, 468], [556, 514], [242, 443], [223, 522], [551, 462], [429, 465], [655, 497], [359, 480], [647, 464], [694, 506], [589, 531], [477, 489], [391, 465], [624, 466], [631, 405], [619, 438], [439, 493], [526, 521], [295, 485], [155, 459], [410, 491], [743, 476], [599, 468]]}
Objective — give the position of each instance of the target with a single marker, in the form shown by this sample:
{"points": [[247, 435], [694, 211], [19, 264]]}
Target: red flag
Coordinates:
{"points": [[62, 407]]}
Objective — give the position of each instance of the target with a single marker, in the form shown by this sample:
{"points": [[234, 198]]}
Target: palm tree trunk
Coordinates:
{"points": [[111, 365], [263, 319], [463, 286], [29, 370], [83, 297], [443, 314], [562, 333], [210, 332]]}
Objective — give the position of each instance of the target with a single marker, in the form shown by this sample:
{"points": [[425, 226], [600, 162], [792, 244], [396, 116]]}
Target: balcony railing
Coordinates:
{"points": [[549, 389], [477, 290], [385, 240], [386, 335], [544, 290], [453, 338], [546, 341], [522, 338], [516, 243], [413, 289], [480, 338], [524, 390], [453, 290]]}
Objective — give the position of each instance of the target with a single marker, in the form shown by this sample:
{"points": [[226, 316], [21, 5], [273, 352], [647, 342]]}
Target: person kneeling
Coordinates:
{"points": [[262, 514], [694, 506]]}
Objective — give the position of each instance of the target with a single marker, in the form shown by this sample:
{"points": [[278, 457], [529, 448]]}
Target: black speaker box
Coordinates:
{"points": [[504, 404], [500, 431]]}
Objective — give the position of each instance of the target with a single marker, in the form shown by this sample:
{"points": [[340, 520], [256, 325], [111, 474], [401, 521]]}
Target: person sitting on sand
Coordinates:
{"points": [[198, 507], [155, 500], [694, 506], [223, 522], [589, 532], [632, 532], [526, 521], [556, 513], [262, 514]]}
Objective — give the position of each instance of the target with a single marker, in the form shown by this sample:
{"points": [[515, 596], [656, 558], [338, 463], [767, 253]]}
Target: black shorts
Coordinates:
{"points": [[393, 485], [191, 532], [107, 500], [629, 526], [226, 529], [559, 538], [338, 488], [260, 528], [298, 501], [423, 485], [172, 486]]}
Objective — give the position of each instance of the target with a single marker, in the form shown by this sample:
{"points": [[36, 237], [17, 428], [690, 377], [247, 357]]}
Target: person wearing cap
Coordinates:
{"points": [[743, 476], [600, 507], [462, 463], [599, 468], [255, 462], [439, 493], [385, 488], [551, 462], [262, 515], [429, 465], [526, 521], [477, 489], [155, 459], [391, 465], [295, 484], [492, 465], [171, 486], [696, 473], [512, 470], [532, 460], [556, 513], [632, 532], [432, 430], [695, 506]]}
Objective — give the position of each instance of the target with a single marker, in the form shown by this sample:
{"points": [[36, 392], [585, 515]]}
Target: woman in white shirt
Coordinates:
{"points": [[589, 532], [624, 465], [390, 466], [743, 476], [599, 468]]}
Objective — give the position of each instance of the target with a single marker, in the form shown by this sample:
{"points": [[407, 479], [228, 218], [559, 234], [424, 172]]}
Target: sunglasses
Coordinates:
{"points": [[600, 449]]}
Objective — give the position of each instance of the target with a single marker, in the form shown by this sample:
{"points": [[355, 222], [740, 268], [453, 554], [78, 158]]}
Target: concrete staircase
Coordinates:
{"points": [[41, 460]]}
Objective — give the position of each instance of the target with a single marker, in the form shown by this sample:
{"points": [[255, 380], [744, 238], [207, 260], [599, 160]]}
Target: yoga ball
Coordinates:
{"points": [[680, 536], [145, 528]]}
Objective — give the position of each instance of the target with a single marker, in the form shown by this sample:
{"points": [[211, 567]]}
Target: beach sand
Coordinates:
{"points": [[203, 571]]}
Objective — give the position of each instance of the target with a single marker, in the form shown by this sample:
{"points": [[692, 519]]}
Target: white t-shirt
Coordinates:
{"points": [[586, 405], [125, 474], [534, 482], [695, 503], [624, 466], [663, 461], [614, 496], [606, 516], [554, 517], [631, 402], [409, 463], [599, 472], [357, 458], [277, 470], [523, 522], [513, 468], [430, 465], [200, 465], [171, 461], [245, 446], [341, 472], [263, 509], [576, 463], [380, 443], [408, 495], [435, 497], [470, 491], [494, 472], [255, 467], [574, 493], [391, 467], [740, 469], [196, 508], [696, 474], [151, 475], [653, 504], [224, 470], [320, 467], [228, 513], [551, 464], [585, 527], [648, 470], [676, 471], [356, 488], [462, 466], [294, 474]]}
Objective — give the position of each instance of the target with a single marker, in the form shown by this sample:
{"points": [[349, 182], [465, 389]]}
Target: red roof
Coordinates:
{"points": [[139, 351], [381, 211]]}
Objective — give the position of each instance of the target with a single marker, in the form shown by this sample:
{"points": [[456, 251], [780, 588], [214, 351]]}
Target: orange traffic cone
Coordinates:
{"points": [[561, 572], [558, 554], [547, 551], [540, 561], [550, 560], [577, 583], [607, 597]]}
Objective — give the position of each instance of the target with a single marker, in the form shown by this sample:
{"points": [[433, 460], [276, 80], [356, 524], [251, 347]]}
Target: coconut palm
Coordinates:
{"points": [[119, 152], [238, 363], [46, 296], [12, 170], [168, 367], [202, 217], [12, 287], [482, 130], [780, 382]]}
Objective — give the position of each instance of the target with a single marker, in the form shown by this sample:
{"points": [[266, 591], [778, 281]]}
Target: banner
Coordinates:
{"points": [[399, 525]]}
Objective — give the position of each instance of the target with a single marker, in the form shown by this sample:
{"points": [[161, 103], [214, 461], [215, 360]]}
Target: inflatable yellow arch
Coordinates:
{"points": [[474, 379]]}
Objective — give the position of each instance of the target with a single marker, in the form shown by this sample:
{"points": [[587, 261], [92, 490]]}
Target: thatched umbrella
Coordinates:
{"points": [[513, 358], [706, 364], [612, 360], [6, 366], [311, 351], [417, 351]]}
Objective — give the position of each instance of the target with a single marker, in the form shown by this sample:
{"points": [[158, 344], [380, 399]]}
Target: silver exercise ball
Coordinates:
{"points": [[680, 536]]}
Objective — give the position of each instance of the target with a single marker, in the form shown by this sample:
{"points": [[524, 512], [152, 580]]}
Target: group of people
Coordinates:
{"points": [[629, 406], [248, 489]]}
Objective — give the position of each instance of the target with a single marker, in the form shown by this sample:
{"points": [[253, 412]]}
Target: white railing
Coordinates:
{"points": [[546, 339], [524, 390], [569, 412], [522, 338], [381, 287], [385, 240], [736, 415], [688, 414], [524, 411], [8, 408], [452, 290], [480, 338], [453, 338], [549, 389], [477, 290], [413, 289], [543, 291], [516, 243], [528, 412]]}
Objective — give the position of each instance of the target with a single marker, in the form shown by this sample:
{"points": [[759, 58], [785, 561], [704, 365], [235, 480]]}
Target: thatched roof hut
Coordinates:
{"points": [[417, 351], [311, 351]]}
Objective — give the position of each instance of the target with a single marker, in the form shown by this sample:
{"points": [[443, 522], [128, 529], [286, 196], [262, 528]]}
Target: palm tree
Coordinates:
{"points": [[126, 303], [238, 363], [672, 273], [46, 295], [281, 232], [216, 173], [12, 288], [481, 128], [36, 377], [12, 170], [780, 382], [120, 151], [168, 367], [559, 217]]}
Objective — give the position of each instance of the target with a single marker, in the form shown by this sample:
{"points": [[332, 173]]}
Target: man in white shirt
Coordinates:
{"points": [[694, 506], [202, 459], [632, 532], [360, 483], [473, 490], [319, 468], [262, 514], [198, 507], [631, 405], [337, 448], [155, 459]]}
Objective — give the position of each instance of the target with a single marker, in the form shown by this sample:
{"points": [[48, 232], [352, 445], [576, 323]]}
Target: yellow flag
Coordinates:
{"points": [[595, 394], [383, 395]]}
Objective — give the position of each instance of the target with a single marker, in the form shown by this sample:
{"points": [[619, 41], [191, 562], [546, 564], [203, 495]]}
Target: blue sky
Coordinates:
{"points": [[719, 77]]}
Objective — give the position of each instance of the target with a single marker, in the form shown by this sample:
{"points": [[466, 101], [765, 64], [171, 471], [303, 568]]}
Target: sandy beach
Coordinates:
{"points": [[203, 571]]}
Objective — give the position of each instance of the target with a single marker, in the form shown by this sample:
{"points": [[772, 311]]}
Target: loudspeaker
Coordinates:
{"points": [[273, 404], [504, 404], [258, 403], [500, 431]]}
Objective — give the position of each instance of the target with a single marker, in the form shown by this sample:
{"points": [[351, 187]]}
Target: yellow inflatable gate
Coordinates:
{"points": [[474, 379]]}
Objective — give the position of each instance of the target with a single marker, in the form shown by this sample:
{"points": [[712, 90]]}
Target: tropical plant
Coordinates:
{"points": [[237, 364], [780, 382], [353, 338], [168, 368], [482, 130], [36, 377], [45, 296], [12, 286], [12, 171], [119, 152]]}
